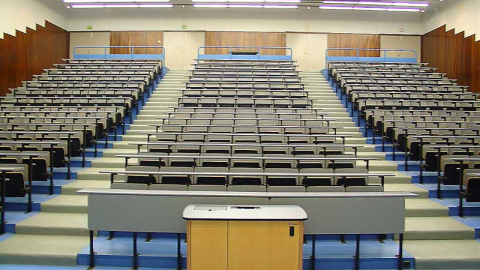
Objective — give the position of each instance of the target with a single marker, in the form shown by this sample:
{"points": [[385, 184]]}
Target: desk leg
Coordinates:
{"points": [[30, 186], [149, 237], [357, 252], [342, 239], [69, 155], [92, 253], [85, 145], [460, 191], [51, 170], [312, 258], [110, 235], [400, 251], [135, 253], [179, 252], [2, 221]]}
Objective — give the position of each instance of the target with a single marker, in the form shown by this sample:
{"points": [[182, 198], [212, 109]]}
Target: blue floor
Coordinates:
{"points": [[161, 252]]}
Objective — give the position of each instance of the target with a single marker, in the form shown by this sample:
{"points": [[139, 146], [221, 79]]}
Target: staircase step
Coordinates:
{"points": [[436, 228], [66, 204], [413, 188], [424, 208], [444, 254], [70, 224], [42, 249], [72, 188]]}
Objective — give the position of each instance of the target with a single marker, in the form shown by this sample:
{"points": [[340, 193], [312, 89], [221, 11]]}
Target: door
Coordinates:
{"points": [[207, 245], [265, 245]]}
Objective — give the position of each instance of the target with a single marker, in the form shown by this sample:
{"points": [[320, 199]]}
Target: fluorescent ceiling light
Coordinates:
{"points": [[281, 6], [283, 1], [227, 1], [115, 1], [370, 8], [123, 6], [396, 4], [247, 1], [244, 6], [209, 6]]}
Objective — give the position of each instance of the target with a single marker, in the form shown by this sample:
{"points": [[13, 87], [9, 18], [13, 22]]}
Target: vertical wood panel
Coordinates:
{"points": [[354, 41], [136, 38], [454, 54], [251, 39], [29, 53]]}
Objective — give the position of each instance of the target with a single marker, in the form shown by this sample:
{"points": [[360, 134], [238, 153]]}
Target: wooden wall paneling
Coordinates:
{"points": [[354, 41], [475, 67], [136, 38], [250, 39], [154, 38], [3, 68], [21, 47], [274, 40], [454, 54], [11, 55], [120, 38], [26, 54]]}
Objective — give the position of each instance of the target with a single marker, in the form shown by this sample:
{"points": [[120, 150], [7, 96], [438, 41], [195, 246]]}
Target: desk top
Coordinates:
{"points": [[239, 212], [175, 193]]}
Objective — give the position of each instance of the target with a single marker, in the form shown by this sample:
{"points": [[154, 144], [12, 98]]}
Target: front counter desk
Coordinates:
{"points": [[328, 213]]}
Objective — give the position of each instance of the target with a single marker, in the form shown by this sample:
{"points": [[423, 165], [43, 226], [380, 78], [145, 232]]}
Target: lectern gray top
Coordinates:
{"points": [[243, 212]]}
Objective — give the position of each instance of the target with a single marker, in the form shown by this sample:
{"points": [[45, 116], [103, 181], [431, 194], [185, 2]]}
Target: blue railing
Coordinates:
{"points": [[385, 56], [245, 53], [131, 55]]}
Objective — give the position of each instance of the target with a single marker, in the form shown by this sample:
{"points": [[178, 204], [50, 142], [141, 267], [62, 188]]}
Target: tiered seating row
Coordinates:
{"points": [[55, 117], [422, 113], [247, 126]]}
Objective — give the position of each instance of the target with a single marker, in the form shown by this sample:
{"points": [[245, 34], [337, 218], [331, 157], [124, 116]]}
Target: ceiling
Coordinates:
{"points": [[349, 5]]}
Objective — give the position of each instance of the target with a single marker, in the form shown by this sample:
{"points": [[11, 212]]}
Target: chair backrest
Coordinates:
{"points": [[351, 180], [180, 179], [210, 179], [316, 180], [282, 180]]}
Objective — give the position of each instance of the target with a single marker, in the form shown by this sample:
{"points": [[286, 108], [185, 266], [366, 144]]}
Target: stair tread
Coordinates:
{"points": [[444, 254], [42, 249]]}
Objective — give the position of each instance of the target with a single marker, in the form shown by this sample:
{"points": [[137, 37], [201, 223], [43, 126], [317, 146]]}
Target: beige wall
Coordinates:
{"points": [[308, 50], [89, 39], [20, 14], [198, 19], [181, 48], [402, 42], [461, 15]]}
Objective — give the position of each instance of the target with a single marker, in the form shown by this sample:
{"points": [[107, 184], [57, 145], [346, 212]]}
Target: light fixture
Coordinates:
{"points": [[114, 1], [247, 1], [244, 6], [396, 4], [210, 6], [122, 6], [370, 8]]}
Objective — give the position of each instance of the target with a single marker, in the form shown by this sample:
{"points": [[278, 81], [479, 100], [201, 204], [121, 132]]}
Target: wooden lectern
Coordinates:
{"points": [[244, 237]]}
